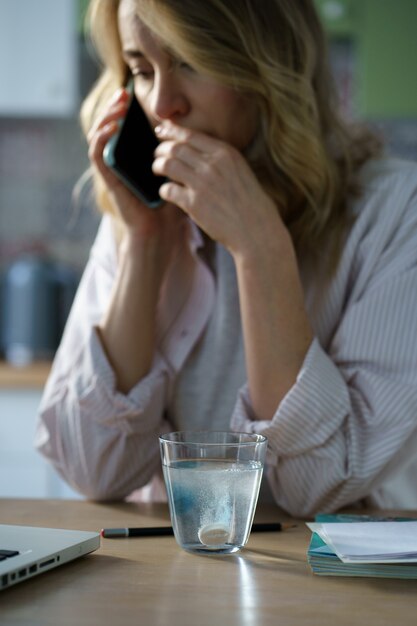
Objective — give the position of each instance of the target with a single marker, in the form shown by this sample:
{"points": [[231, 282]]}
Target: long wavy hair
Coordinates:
{"points": [[306, 156]]}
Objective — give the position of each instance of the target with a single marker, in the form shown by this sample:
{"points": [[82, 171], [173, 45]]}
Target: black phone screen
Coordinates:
{"points": [[133, 155]]}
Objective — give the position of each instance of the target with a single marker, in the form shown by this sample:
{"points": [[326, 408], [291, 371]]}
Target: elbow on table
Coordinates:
{"points": [[309, 500], [95, 491]]}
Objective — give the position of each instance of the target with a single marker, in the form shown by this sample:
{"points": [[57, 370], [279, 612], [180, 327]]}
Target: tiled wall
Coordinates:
{"points": [[40, 162]]}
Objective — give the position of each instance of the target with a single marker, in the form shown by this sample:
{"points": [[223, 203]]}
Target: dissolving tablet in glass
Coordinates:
{"points": [[214, 534]]}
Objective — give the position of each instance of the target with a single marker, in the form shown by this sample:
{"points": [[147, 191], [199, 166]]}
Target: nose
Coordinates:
{"points": [[168, 100]]}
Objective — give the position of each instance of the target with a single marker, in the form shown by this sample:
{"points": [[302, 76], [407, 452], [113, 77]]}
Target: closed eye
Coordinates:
{"points": [[183, 65], [139, 73], [138, 64]]}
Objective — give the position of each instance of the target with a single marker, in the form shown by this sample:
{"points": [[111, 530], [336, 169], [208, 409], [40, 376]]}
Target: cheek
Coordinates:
{"points": [[239, 120]]}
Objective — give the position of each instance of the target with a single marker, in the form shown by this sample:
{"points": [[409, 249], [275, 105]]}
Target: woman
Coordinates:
{"points": [[274, 291]]}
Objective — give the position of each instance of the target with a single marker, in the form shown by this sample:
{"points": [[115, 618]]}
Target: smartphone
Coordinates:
{"points": [[130, 154]]}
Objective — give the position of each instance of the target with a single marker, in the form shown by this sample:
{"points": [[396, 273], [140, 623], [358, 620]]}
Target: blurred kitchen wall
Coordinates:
{"points": [[45, 71]]}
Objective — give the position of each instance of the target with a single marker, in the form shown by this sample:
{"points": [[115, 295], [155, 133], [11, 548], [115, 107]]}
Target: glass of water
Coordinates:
{"points": [[212, 480]]}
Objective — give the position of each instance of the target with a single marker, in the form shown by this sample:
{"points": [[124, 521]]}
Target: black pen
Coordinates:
{"points": [[157, 531]]}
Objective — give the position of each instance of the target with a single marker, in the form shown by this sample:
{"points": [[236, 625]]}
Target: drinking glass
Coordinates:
{"points": [[212, 480]]}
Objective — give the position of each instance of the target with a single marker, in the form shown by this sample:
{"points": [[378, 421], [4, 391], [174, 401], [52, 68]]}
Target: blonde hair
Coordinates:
{"points": [[305, 155]]}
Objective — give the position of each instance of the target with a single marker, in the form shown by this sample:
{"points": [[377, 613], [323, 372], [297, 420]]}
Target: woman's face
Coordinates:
{"points": [[169, 89]]}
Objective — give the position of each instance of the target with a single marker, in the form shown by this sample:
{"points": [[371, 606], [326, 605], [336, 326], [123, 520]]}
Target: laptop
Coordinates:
{"points": [[27, 551]]}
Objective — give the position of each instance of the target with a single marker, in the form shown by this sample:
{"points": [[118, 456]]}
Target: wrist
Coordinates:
{"points": [[273, 249], [138, 249]]}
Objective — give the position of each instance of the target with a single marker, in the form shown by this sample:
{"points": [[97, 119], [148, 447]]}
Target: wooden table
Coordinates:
{"points": [[33, 376], [151, 581]]}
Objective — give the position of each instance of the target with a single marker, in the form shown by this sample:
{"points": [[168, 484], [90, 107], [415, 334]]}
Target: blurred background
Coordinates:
{"points": [[46, 69]]}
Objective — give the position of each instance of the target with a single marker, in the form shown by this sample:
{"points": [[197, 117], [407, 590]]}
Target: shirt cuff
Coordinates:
{"points": [[97, 389], [310, 413]]}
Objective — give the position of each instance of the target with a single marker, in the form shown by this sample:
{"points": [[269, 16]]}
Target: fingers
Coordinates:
{"points": [[96, 148], [200, 141], [195, 160], [103, 129], [116, 109], [178, 162], [173, 193]]}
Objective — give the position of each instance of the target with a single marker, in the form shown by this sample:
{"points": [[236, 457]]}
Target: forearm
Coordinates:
{"points": [[103, 443], [276, 329], [127, 330], [326, 450]]}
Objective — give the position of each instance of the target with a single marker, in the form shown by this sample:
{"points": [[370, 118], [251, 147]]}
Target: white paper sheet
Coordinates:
{"points": [[370, 542]]}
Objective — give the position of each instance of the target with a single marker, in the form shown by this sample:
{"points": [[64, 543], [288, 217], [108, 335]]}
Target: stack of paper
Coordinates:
{"points": [[343, 546]]}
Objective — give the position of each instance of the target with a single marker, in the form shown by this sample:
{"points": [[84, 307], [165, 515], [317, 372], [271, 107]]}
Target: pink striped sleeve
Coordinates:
{"points": [[349, 424]]}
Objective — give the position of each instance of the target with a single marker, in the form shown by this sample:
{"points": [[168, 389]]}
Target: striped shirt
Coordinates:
{"points": [[345, 433]]}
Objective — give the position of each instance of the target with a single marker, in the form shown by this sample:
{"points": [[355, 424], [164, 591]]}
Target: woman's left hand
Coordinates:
{"points": [[212, 182]]}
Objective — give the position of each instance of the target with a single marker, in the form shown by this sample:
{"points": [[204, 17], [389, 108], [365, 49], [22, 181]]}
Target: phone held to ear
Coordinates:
{"points": [[130, 154]]}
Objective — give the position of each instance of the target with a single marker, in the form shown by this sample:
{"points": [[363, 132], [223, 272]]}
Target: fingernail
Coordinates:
{"points": [[110, 127], [117, 94], [160, 130]]}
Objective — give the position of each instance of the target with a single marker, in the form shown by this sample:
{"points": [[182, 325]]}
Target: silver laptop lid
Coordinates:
{"points": [[27, 551]]}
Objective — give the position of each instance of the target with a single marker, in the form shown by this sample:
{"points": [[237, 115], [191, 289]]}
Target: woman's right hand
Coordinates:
{"points": [[151, 239], [162, 227]]}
